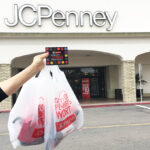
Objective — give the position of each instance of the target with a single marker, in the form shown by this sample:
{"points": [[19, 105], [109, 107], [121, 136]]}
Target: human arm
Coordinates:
{"points": [[12, 84]]}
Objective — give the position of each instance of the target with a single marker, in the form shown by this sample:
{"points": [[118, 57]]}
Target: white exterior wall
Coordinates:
{"points": [[133, 16], [76, 59], [129, 37], [127, 49]]}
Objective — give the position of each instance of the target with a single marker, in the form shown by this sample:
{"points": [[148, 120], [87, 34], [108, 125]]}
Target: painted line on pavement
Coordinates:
{"points": [[143, 106], [121, 125], [4, 133], [100, 127]]}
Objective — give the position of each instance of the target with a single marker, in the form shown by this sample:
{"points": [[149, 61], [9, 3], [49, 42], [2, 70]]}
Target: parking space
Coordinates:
{"points": [[105, 128]]}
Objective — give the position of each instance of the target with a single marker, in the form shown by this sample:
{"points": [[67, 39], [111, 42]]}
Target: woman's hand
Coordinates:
{"points": [[38, 62]]}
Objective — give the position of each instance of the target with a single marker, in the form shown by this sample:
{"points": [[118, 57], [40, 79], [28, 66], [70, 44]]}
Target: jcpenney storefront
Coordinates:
{"points": [[106, 43]]}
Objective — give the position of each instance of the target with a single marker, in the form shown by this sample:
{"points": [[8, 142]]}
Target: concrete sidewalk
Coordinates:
{"points": [[91, 103], [109, 103]]}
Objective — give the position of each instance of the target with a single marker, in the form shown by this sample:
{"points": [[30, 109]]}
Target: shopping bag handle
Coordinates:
{"points": [[48, 71], [37, 75]]}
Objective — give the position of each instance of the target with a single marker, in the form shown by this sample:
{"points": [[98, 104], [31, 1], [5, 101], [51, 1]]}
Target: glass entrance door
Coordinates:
{"points": [[94, 88], [96, 77], [75, 83]]}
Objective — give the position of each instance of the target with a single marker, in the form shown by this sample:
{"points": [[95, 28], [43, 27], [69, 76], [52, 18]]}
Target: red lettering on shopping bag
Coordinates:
{"points": [[39, 132], [63, 113], [65, 123], [62, 105], [41, 114]]}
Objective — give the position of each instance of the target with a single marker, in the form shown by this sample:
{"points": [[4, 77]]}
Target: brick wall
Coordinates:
{"points": [[5, 73], [128, 81]]}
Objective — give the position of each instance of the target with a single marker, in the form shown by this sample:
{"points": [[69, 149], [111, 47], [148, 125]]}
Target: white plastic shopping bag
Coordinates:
{"points": [[66, 112], [46, 111], [27, 118]]}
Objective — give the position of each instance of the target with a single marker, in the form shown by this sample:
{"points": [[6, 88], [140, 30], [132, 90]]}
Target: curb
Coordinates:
{"points": [[114, 104], [101, 105], [5, 111]]}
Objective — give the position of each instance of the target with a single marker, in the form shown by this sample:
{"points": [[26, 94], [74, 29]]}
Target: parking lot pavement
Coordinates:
{"points": [[105, 128]]}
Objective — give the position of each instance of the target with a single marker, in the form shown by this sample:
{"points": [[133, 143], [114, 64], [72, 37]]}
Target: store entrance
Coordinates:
{"points": [[87, 83]]}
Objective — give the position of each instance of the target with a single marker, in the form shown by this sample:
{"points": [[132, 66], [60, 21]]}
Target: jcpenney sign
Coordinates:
{"points": [[60, 18]]}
